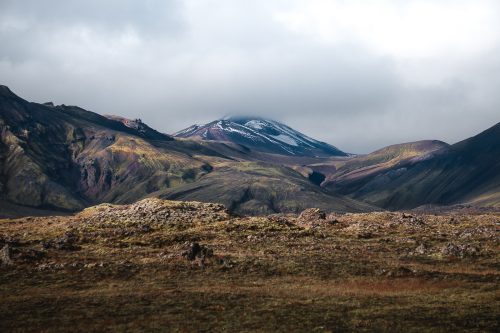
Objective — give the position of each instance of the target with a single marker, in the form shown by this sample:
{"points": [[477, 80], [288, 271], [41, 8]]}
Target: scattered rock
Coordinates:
{"points": [[225, 262], [365, 235], [312, 214], [460, 251], [44, 267], [51, 266], [8, 240], [76, 265], [146, 228], [31, 255], [198, 251], [363, 229], [401, 271], [410, 220], [6, 256], [67, 242], [204, 255], [312, 218], [333, 221], [333, 217], [479, 232], [91, 265], [422, 249], [252, 238], [279, 218]]}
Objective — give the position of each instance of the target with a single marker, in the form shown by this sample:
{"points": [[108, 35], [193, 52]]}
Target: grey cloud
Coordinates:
{"points": [[146, 15], [174, 63]]}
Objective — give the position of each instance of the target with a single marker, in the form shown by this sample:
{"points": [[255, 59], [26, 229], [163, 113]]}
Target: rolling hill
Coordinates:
{"points": [[65, 158], [347, 176], [429, 172], [260, 188]]}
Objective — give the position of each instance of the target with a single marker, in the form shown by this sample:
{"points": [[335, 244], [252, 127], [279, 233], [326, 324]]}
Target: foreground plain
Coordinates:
{"points": [[185, 266]]}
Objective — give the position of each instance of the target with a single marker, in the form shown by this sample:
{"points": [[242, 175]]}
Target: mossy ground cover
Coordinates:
{"points": [[350, 272]]}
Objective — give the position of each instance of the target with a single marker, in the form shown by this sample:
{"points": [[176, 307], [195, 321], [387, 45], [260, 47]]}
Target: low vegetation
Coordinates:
{"points": [[185, 266]]}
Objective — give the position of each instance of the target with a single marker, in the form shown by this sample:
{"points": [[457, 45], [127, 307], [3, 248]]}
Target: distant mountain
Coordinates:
{"points": [[65, 158], [466, 172], [55, 158], [261, 135]]}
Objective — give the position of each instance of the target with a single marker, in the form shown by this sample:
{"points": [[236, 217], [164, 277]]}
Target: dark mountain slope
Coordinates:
{"points": [[350, 175], [468, 171], [66, 158]]}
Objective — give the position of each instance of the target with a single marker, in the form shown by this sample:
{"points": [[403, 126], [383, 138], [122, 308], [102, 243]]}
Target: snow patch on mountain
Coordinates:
{"points": [[286, 139], [261, 135], [255, 124]]}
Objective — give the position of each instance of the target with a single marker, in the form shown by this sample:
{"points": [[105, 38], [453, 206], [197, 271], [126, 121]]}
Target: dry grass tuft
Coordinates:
{"points": [[124, 268]]}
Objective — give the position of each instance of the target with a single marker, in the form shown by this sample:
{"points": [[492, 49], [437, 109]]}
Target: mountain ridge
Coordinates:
{"points": [[467, 171], [260, 134], [67, 158]]}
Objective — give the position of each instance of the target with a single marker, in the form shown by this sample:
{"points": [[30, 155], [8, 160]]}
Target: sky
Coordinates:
{"points": [[358, 74]]}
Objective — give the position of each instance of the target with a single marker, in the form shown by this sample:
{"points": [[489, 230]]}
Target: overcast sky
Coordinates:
{"points": [[359, 74]]}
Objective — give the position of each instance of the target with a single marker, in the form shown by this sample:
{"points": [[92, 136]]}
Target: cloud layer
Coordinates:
{"points": [[357, 74]]}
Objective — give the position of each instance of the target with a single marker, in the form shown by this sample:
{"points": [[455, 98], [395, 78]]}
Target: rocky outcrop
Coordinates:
{"points": [[312, 214], [459, 250], [153, 213], [6, 255]]}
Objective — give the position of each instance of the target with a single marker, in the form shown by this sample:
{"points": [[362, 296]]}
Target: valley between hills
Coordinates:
{"points": [[64, 158], [242, 224]]}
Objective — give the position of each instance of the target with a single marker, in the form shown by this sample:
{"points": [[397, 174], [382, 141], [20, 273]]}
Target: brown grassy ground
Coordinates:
{"points": [[122, 269]]}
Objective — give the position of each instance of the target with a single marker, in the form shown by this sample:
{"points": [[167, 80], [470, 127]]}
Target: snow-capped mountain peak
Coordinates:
{"points": [[262, 135]]}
